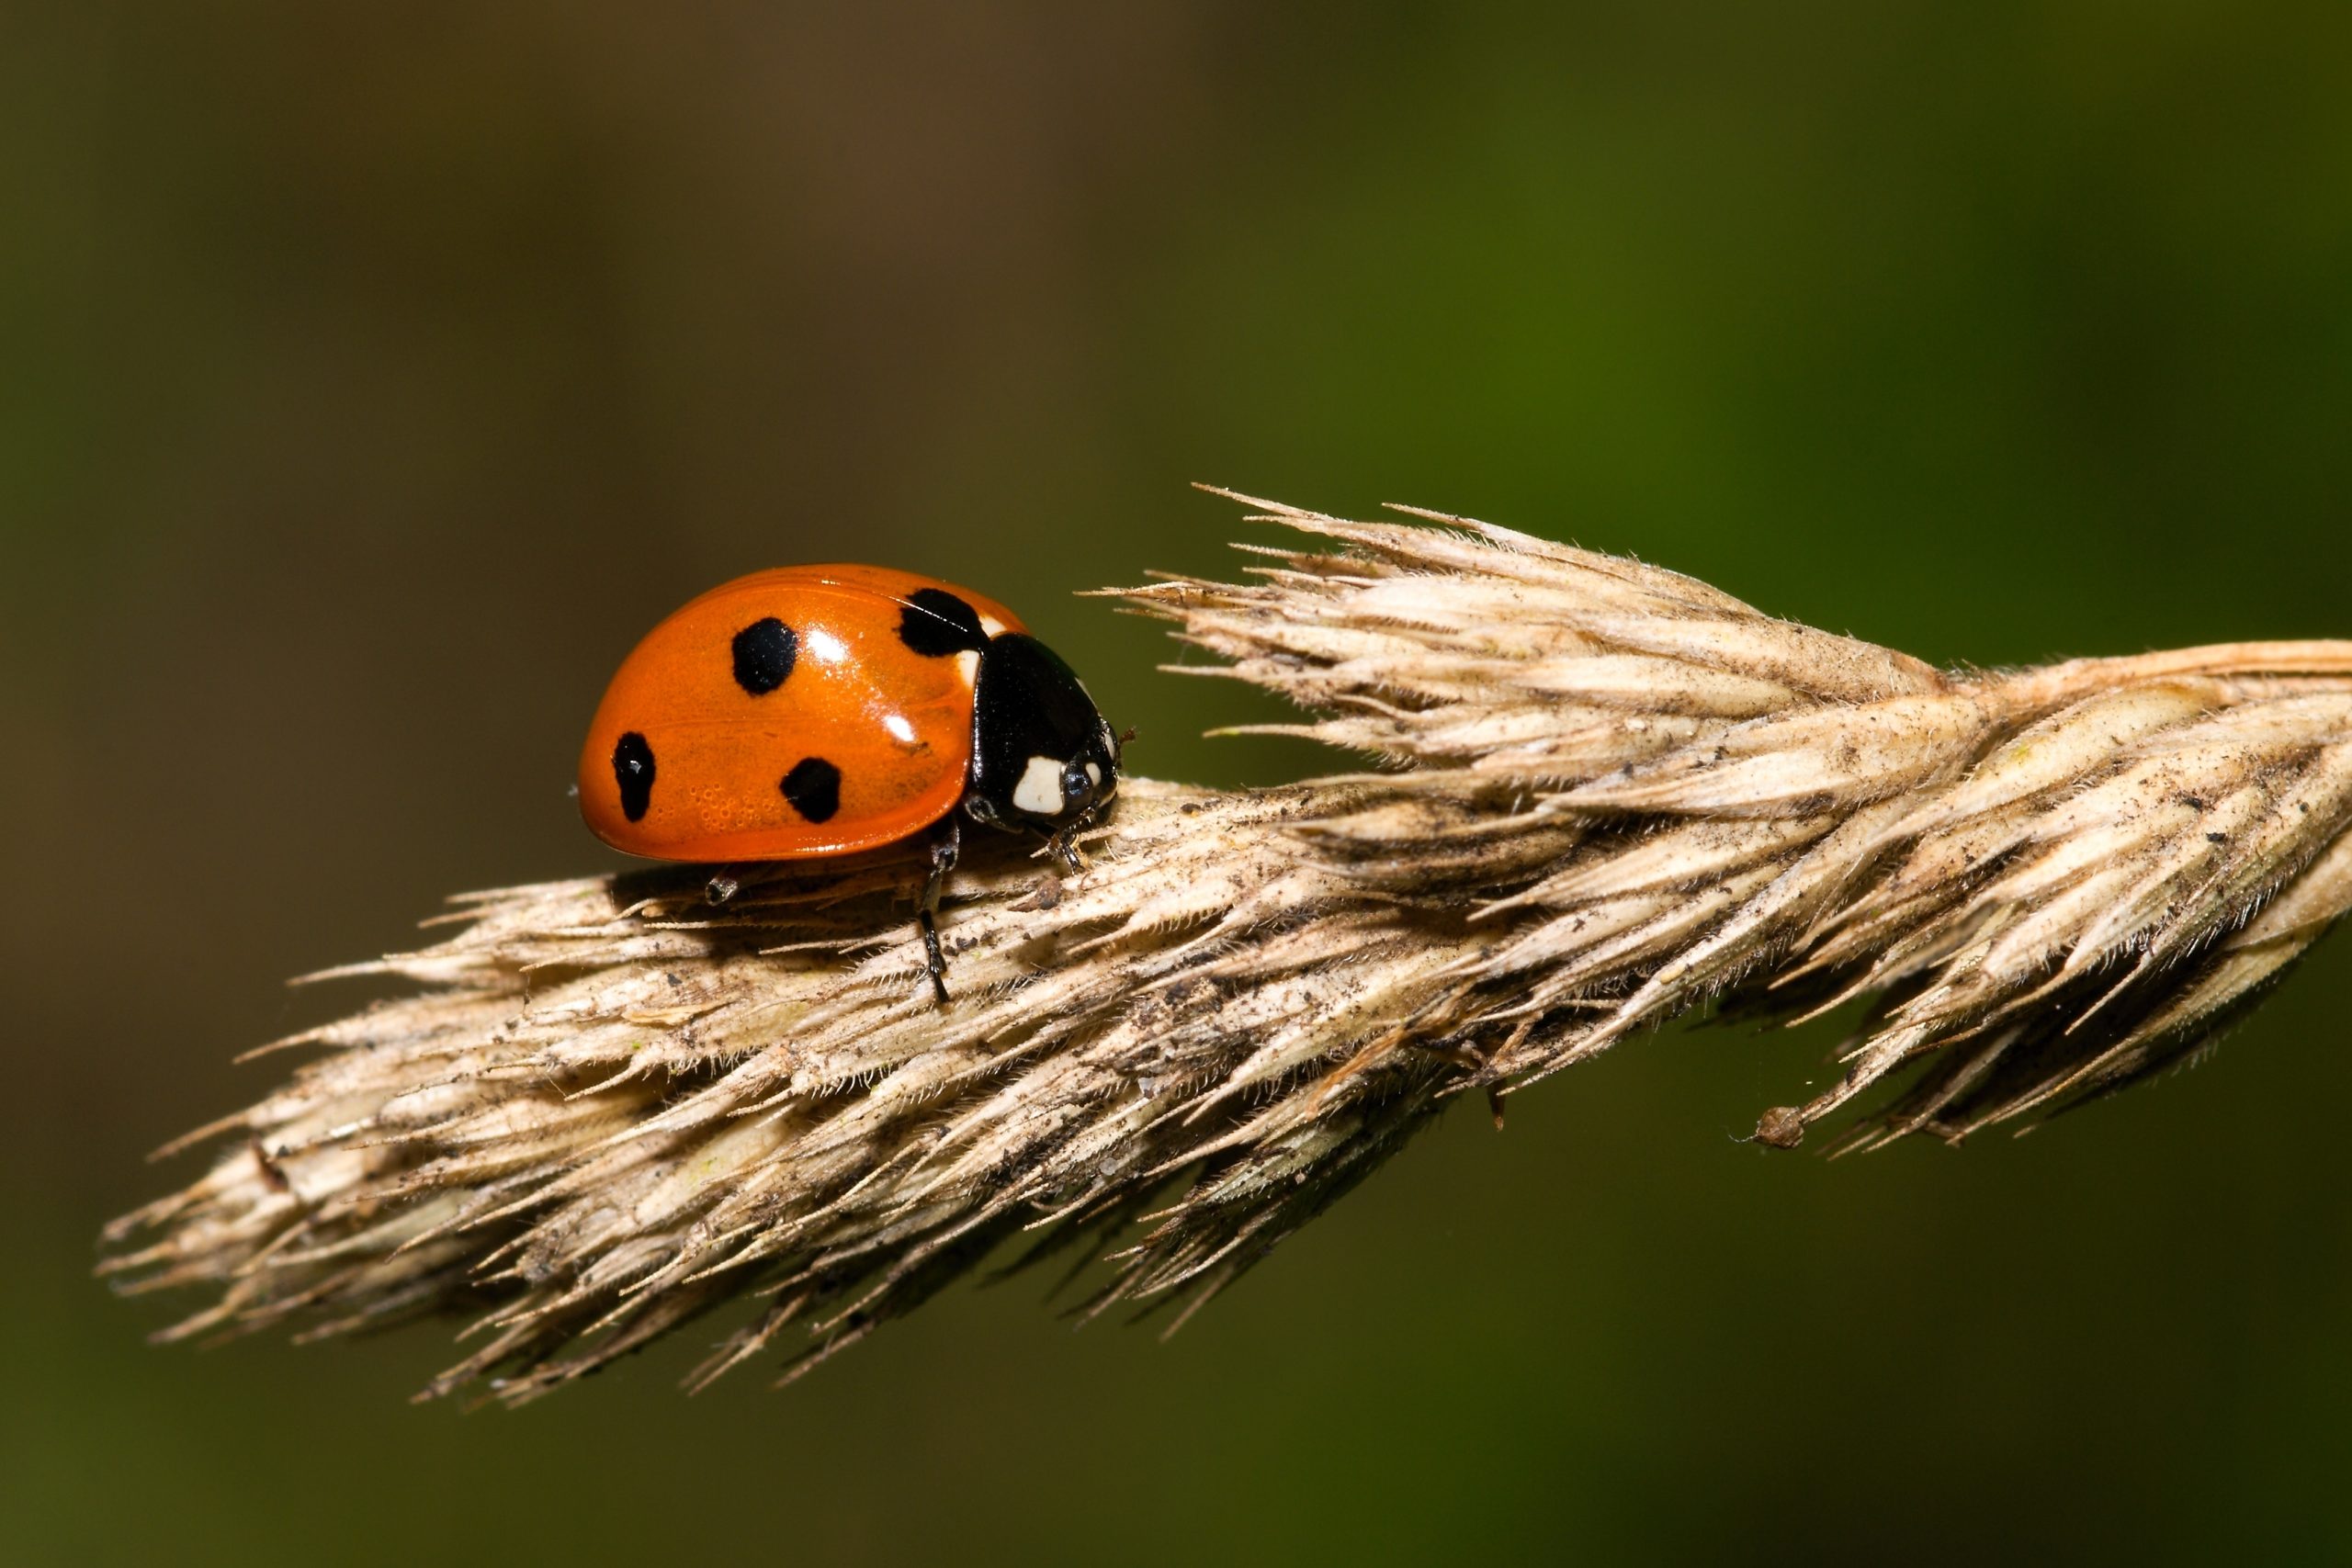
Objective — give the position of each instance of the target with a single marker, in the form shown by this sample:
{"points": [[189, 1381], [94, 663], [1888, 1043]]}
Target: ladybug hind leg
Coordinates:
{"points": [[947, 842]]}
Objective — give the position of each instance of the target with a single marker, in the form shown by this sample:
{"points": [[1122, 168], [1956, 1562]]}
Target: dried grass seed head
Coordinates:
{"points": [[1607, 793]]}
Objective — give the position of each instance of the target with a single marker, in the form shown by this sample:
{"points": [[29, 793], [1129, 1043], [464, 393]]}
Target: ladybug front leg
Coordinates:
{"points": [[1061, 844], [946, 841]]}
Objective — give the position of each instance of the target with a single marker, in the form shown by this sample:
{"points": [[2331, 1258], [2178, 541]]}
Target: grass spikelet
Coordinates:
{"points": [[1606, 794]]}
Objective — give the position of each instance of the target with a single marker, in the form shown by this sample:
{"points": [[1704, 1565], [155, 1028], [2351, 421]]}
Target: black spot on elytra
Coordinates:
{"points": [[764, 651], [633, 771], [814, 788], [934, 622]]}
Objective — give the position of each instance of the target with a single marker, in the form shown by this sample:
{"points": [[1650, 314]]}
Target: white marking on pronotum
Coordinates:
{"points": [[1040, 789], [900, 730], [825, 647], [968, 661], [992, 625], [1094, 773]]}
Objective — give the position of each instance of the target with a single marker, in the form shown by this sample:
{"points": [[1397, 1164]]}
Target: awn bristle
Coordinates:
{"points": [[1615, 795]]}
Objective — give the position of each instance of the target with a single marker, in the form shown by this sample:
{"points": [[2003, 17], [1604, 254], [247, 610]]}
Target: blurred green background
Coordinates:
{"points": [[371, 377]]}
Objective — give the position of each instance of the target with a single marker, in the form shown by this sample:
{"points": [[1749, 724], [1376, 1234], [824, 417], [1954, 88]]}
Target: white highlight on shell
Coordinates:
{"points": [[825, 647], [1040, 789], [900, 730]]}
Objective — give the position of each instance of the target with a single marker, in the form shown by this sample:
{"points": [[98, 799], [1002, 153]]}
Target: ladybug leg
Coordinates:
{"points": [[944, 845]]}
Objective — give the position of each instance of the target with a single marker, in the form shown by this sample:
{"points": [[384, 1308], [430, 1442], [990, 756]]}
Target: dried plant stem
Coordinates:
{"points": [[1610, 793], [2048, 688]]}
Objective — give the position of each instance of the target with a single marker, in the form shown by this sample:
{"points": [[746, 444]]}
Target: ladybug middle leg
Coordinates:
{"points": [[947, 842]]}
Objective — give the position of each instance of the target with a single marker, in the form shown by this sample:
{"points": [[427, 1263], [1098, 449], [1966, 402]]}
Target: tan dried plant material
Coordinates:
{"points": [[1608, 795]]}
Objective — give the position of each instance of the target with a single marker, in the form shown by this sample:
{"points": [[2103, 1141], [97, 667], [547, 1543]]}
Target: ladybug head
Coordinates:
{"points": [[1043, 756]]}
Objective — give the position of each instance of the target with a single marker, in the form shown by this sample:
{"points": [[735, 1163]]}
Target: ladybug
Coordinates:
{"points": [[821, 710]]}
